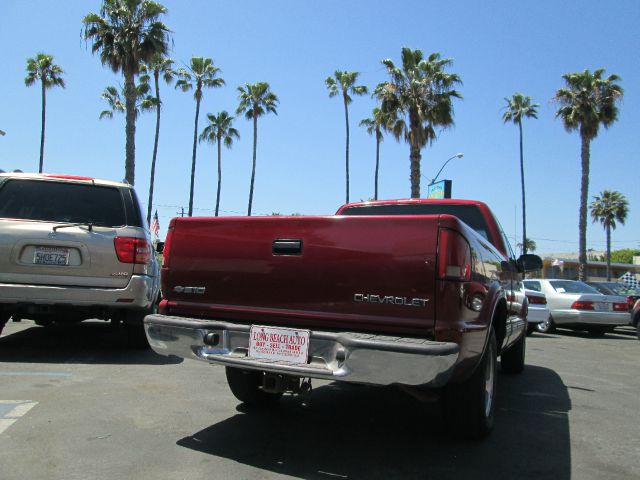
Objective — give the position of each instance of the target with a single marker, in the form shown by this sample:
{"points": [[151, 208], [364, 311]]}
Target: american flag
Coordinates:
{"points": [[155, 224]]}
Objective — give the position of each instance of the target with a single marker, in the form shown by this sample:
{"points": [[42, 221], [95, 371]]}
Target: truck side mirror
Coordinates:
{"points": [[160, 247], [529, 263]]}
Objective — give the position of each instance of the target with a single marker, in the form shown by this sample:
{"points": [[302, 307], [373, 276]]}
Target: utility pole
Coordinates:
{"points": [[181, 213]]}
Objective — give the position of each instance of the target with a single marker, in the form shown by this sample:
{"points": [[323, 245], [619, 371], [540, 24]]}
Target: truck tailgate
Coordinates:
{"points": [[358, 273]]}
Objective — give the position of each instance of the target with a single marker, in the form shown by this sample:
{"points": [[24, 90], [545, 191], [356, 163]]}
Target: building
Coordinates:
{"points": [[565, 265]]}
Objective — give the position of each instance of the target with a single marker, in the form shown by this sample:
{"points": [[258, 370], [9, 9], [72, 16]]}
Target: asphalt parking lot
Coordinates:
{"points": [[77, 403]]}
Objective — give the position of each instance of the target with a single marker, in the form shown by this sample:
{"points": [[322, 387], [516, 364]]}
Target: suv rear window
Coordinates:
{"points": [[62, 202], [469, 214]]}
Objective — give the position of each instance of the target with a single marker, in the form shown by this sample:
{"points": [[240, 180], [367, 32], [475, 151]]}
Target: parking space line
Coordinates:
{"points": [[34, 374], [17, 409]]}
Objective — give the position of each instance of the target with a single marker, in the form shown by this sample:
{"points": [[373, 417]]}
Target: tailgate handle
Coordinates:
{"points": [[287, 247]]}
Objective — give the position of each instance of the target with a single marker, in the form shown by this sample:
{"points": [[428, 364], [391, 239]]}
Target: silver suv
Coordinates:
{"points": [[74, 248]]}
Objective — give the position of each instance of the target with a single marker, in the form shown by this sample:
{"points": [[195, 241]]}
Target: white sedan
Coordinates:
{"points": [[578, 306], [538, 316]]}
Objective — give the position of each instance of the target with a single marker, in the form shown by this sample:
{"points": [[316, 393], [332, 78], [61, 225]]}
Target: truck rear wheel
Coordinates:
{"points": [[512, 360], [469, 406], [245, 386]]}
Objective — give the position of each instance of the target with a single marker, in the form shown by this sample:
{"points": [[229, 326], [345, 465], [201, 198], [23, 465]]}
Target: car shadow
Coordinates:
{"points": [[364, 432], [619, 333], [91, 342]]}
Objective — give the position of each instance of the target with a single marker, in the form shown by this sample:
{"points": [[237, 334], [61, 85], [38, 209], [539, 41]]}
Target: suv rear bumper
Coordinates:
{"points": [[346, 356], [138, 294]]}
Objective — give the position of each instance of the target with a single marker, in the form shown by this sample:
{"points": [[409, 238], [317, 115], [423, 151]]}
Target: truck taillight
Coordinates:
{"points": [[167, 245], [454, 256], [582, 305], [533, 300], [132, 249]]}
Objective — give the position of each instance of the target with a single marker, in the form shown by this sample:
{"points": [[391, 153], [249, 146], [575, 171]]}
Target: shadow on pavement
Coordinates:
{"points": [[365, 432], [619, 333], [91, 342]]}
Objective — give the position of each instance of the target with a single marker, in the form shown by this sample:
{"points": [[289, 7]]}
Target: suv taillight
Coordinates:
{"points": [[582, 305], [167, 245], [454, 256], [132, 249]]}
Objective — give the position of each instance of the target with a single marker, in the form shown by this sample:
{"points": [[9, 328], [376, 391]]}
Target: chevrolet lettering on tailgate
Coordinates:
{"points": [[390, 300]]}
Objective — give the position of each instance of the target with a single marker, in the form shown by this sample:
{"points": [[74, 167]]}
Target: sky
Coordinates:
{"points": [[498, 48]]}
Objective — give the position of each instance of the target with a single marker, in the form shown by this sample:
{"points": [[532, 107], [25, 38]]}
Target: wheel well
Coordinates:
{"points": [[499, 323]]}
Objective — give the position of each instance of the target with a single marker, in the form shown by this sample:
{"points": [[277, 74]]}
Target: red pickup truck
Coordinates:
{"points": [[415, 293]]}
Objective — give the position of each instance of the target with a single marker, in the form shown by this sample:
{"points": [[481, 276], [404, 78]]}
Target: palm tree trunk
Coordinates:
{"points": [[193, 156], [219, 173], [582, 224], [524, 203], [415, 158], [44, 109], [608, 253], [130, 128], [253, 170], [375, 196], [156, 74], [346, 119]]}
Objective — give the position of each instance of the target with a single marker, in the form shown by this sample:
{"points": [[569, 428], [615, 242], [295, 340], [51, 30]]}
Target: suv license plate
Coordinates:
{"points": [[280, 344], [51, 256]]}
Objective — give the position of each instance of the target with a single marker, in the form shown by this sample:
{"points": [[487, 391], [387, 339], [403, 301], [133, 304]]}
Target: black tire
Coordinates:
{"points": [[44, 322], [546, 327], [598, 331], [531, 327], [4, 318], [469, 407], [638, 330], [512, 360], [136, 336], [134, 328], [245, 386]]}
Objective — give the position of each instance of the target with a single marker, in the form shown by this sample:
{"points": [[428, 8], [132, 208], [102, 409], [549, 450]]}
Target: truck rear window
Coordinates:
{"points": [[62, 202], [469, 214]]}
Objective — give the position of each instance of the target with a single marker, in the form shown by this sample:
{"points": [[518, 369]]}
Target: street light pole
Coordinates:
{"points": [[457, 155]]}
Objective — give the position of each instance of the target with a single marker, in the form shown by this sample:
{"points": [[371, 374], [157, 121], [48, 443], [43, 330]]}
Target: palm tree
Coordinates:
{"points": [[606, 209], [158, 65], [528, 245], [344, 83], [374, 125], [256, 100], [201, 73], [41, 67], [519, 107], [419, 99], [587, 101], [114, 99], [126, 33], [218, 131]]}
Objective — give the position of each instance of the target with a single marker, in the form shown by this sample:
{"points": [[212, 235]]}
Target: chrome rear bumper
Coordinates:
{"points": [[347, 356]]}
